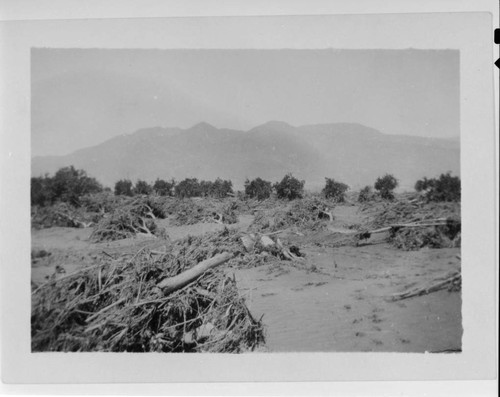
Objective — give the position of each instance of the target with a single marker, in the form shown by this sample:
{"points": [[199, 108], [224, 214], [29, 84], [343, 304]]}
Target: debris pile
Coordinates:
{"points": [[307, 214], [62, 215], [445, 235], [413, 224], [134, 218], [247, 250], [124, 306], [103, 202], [192, 211]]}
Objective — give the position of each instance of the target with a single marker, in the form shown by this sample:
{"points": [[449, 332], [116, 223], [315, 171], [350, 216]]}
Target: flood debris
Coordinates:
{"points": [[132, 305], [62, 215], [308, 214], [192, 211], [452, 282], [136, 217], [258, 244], [411, 224]]}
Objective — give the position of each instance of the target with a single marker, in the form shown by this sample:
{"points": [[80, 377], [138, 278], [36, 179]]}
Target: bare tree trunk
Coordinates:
{"points": [[174, 283]]}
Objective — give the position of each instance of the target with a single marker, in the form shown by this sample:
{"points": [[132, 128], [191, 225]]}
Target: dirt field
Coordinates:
{"points": [[337, 299]]}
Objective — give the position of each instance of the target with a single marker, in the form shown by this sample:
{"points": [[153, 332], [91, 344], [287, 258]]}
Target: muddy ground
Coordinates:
{"points": [[337, 299]]}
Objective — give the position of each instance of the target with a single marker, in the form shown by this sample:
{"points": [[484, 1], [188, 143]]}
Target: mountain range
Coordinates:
{"points": [[348, 152]]}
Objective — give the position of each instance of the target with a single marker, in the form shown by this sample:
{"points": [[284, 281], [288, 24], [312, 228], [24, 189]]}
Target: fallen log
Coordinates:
{"points": [[429, 288], [171, 284]]}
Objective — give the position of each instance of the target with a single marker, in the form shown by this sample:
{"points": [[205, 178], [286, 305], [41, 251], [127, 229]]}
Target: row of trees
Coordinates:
{"points": [[291, 188], [69, 185], [189, 187], [444, 188], [288, 188]]}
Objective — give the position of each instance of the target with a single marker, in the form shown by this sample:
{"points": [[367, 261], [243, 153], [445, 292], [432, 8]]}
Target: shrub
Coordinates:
{"points": [[386, 185], [365, 194], [258, 188], [335, 190], [124, 187], [142, 187], [289, 188], [444, 188]]}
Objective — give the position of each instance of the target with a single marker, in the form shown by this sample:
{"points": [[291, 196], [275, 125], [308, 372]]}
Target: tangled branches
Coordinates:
{"points": [[117, 306]]}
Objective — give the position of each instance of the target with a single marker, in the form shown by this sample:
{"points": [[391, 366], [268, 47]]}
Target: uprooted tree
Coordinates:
{"points": [[385, 186], [335, 190], [258, 188], [289, 188], [444, 188]]}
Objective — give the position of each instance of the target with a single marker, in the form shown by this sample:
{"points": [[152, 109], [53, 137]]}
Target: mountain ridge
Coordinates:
{"points": [[350, 152]]}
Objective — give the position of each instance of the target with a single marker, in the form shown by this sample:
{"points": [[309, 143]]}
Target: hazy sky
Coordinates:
{"points": [[81, 97]]}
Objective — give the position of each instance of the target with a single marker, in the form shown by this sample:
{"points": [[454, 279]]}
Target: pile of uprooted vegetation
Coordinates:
{"points": [[191, 211], [134, 217], [414, 224], [307, 214], [62, 215], [173, 301], [91, 209]]}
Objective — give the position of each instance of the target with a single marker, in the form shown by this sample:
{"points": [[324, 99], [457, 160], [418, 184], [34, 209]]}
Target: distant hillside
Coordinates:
{"points": [[349, 152]]}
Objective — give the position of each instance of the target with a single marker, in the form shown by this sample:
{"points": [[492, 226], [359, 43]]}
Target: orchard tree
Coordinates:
{"points": [[189, 187], [258, 188], [335, 190], [444, 188], [221, 188], [386, 185], [424, 184], [142, 187], [163, 188], [69, 184], [124, 188], [289, 188]]}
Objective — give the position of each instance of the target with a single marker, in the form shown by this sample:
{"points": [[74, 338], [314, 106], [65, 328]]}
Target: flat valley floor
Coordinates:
{"points": [[340, 302]]}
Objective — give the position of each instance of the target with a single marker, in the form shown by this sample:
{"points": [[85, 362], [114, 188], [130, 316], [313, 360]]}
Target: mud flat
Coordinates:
{"points": [[346, 305]]}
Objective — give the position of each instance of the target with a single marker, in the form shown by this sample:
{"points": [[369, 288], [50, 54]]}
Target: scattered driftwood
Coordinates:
{"points": [[264, 243], [452, 281], [181, 280]]}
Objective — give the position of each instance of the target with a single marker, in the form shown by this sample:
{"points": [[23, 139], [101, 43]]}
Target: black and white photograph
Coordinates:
{"points": [[245, 200], [251, 198]]}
